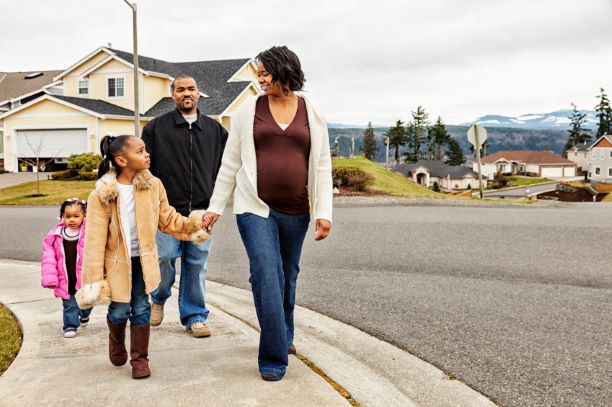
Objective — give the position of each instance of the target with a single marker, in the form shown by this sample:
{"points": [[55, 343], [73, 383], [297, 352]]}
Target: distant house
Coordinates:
{"points": [[527, 162], [448, 177], [580, 155], [17, 88], [600, 159], [97, 99]]}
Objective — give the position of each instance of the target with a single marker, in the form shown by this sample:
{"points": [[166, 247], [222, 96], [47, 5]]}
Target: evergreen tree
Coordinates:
{"points": [[604, 114], [397, 138], [418, 133], [411, 143], [439, 138], [577, 134], [369, 146], [454, 152]]}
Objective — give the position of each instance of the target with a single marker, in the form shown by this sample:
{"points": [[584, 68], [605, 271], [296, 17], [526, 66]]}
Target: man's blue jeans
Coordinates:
{"points": [[138, 310], [72, 313], [192, 286], [274, 247]]}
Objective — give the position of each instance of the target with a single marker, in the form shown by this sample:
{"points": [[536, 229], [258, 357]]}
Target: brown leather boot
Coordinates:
{"points": [[139, 350], [116, 343]]}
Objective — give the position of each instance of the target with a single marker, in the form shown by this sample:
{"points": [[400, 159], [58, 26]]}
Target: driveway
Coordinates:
{"points": [[16, 178]]}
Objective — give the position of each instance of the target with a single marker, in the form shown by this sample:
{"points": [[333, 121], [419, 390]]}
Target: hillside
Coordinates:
{"points": [[500, 138], [385, 181]]}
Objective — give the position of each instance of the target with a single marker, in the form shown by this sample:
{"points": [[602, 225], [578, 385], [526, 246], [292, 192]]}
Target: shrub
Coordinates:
{"points": [[350, 177], [63, 175], [88, 176], [436, 186], [84, 162]]}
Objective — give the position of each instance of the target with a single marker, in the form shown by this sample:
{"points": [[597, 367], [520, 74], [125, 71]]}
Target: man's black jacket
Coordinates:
{"points": [[186, 158]]}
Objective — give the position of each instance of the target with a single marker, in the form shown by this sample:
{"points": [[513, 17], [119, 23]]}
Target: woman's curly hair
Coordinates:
{"points": [[284, 66]]}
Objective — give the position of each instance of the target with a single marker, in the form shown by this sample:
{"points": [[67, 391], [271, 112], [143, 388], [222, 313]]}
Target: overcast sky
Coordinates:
{"points": [[364, 60]]}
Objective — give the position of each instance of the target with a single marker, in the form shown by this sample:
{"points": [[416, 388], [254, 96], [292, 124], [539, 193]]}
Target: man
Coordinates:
{"points": [[186, 149]]}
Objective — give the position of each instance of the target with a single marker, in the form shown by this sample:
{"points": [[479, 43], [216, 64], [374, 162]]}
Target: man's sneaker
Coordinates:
{"points": [[84, 321], [199, 330], [157, 314], [292, 350], [70, 333]]}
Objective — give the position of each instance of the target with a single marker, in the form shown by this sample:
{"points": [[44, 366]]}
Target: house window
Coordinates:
{"points": [[610, 153], [84, 87], [593, 154], [601, 154], [115, 87], [597, 171]]}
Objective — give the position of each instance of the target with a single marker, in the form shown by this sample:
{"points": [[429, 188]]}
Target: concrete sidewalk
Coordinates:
{"points": [[337, 365]]}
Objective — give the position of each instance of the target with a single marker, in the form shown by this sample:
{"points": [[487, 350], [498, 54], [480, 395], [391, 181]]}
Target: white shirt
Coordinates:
{"points": [[190, 118], [128, 216]]}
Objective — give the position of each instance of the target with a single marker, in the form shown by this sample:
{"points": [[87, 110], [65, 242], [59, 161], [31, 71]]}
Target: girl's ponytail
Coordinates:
{"points": [[110, 146]]}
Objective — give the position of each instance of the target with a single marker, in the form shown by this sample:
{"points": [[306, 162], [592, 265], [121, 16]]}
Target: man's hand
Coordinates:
{"points": [[322, 229], [209, 219]]}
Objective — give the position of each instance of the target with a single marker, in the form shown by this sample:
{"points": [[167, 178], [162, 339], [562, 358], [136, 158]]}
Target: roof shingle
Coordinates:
{"points": [[527, 157]]}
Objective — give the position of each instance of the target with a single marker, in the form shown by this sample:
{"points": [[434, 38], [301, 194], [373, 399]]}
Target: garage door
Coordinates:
{"points": [[52, 142], [553, 171]]}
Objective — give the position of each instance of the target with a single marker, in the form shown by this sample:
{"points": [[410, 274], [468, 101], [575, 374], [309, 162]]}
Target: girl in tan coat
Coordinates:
{"points": [[120, 263]]}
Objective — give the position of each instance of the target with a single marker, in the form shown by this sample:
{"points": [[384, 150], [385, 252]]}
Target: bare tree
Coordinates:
{"points": [[36, 150]]}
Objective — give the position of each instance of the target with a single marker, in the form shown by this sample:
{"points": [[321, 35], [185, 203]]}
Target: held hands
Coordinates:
{"points": [[322, 229], [208, 220]]}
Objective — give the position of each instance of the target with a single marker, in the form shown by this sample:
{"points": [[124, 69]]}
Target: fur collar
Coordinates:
{"points": [[107, 185]]}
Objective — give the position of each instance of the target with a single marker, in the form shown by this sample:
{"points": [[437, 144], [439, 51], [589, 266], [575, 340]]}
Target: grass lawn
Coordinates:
{"points": [[386, 181], [608, 198], [56, 192], [10, 338]]}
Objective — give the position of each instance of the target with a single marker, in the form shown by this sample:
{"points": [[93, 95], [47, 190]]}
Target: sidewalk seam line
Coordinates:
{"points": [[311, 365]]}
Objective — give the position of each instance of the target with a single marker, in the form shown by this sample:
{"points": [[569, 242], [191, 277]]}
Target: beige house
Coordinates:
{"points": [[580, 155], [447, 177], [527, 162], [600, 159], [17, 88], [97, 100]]}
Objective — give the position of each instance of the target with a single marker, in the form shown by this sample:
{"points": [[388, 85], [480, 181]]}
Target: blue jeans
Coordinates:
{"points": [[274, 247], [192, 286], [138, 310], [73, 314]]}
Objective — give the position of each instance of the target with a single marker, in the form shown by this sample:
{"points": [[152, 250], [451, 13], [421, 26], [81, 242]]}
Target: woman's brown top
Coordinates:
{"points": [[282, 159]]}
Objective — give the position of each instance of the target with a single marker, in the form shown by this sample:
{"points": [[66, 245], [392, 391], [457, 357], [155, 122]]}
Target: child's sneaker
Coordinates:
{"points": [[70, 333], [84, 321]]}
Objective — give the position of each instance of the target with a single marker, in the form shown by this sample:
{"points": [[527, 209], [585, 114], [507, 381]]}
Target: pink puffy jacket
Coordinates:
{"points": [[53, 264]]}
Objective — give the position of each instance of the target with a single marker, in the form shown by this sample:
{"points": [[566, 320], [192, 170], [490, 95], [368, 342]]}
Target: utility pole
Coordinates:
{"points": [[387, 157], [135, 62]]}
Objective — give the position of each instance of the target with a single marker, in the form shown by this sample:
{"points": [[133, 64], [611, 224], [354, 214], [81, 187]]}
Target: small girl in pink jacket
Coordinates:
{"points": [[61, 262]]}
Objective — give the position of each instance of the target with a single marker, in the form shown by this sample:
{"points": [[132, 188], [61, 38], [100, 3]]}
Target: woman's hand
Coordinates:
{"points": [[322, 229], [209, 219]]}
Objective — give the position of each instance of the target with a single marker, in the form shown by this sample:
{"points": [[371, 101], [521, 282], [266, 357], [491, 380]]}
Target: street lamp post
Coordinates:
{"points": [[136, 92]]}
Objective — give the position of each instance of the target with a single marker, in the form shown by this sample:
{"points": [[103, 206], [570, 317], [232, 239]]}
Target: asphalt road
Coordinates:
{"points": [[515, 302]]}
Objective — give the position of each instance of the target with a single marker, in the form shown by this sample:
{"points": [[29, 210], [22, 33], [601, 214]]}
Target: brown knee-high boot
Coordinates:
{"points": [[139, 350], [117, 353]]}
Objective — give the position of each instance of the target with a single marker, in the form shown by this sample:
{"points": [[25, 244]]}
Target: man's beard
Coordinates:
{"points": [[183, 109]]}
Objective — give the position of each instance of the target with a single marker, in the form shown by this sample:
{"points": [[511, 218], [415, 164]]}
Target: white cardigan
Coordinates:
{"points": [[238, 172]]}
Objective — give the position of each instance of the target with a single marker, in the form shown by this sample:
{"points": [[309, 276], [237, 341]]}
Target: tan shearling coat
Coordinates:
{"points": [[106, 256]]}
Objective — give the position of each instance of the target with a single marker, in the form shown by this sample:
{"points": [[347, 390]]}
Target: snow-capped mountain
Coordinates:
{"points": [[554, 120]]}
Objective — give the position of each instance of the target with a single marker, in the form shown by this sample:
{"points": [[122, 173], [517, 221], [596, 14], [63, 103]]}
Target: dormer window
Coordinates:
{"points": [[83, 87], [115, 87]]}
